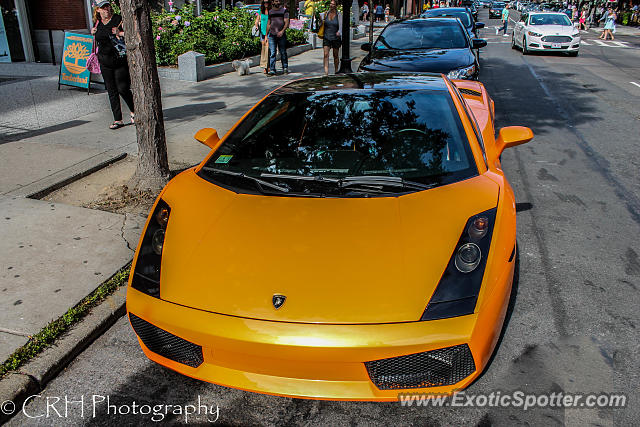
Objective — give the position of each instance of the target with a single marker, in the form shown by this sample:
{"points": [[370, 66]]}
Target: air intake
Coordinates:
{"points": [[166, 344], [442, 367]]}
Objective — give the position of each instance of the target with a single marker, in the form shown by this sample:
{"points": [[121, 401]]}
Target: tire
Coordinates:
{"points": [[525, 51], [513, 42]]}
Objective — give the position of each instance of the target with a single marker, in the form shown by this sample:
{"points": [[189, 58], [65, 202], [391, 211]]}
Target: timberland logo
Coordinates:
{"points": [[75, 58], [278, 300]]}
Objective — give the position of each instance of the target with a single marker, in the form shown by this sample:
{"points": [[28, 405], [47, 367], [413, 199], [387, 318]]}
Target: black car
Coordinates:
{"points": [[439, 45], [462, 13], [495, 10], [472, 5]]}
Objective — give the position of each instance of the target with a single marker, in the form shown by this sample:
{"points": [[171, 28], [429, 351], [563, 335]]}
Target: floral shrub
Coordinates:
{"points": [[221, 35]]}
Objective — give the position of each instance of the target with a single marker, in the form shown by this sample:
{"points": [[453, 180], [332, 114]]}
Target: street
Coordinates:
{"points": [[573, 325]]}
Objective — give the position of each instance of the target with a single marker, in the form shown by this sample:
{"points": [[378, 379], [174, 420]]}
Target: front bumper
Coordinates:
{"points": [[320, 361], [537, 44]]}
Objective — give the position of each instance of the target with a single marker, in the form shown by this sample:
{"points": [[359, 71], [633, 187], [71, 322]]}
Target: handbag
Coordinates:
{"points": [[255, 32], [264, 55], [93, 65], [321, 31], [119, 45]]}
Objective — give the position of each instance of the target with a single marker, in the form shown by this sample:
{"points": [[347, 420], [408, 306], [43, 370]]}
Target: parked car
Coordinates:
{"points": [[546, 31], [495, 10], [485, 3], [462, 13], [351, 237], [440, 45]]}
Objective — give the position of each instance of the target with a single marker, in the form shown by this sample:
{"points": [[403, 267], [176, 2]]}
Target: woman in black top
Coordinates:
{"points": [[114, 68]]}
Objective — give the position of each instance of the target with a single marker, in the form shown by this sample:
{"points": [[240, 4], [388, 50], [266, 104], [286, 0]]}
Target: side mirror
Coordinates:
{"points": [[479, 25], [208, 137], [511, 136], [366, 47], [478, 43]]}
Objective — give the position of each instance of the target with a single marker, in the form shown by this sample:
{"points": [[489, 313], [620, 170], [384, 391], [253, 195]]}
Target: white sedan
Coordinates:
{"points": [[546, 31]]}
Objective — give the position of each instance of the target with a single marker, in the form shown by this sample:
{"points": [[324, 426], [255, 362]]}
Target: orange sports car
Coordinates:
{"points": [[350, 238]]}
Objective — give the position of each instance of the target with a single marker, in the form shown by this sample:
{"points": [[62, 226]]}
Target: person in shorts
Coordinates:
{"points": [[379, 13], [332, 40]]}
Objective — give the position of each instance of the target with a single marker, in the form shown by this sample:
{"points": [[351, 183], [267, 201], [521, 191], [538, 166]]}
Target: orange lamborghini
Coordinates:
{"points": [[350, 238]]}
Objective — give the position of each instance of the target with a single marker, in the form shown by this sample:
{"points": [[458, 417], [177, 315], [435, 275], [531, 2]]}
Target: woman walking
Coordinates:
{"points": [[262, 19], [583, 20], [332, 40], [609, 24], [113, 65]]}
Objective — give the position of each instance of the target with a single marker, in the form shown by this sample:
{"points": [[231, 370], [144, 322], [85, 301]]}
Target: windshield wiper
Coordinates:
{"points": [[388, 181], [259, 183], [299, 177]]}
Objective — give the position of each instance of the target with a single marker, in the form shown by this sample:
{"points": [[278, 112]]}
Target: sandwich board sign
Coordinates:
{"points": [[73, 67]]}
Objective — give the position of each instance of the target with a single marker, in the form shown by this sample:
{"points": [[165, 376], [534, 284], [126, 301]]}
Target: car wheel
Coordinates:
{"points": [[513, 42], [525, 51]]}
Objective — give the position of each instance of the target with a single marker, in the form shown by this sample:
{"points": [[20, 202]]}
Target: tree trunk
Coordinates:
{"points": [[152, 171]]}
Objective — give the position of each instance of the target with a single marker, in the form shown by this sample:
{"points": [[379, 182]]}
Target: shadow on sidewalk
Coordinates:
{"points": [[13, 134]]}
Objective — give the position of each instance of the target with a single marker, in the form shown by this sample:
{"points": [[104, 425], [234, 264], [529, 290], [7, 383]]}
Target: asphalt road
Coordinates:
{"points": [[574, 324]]}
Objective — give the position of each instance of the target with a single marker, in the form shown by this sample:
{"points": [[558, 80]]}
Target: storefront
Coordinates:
{"points": [[32, 29]]}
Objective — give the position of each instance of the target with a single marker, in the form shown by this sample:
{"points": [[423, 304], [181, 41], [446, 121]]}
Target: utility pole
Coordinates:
{"points": [[345, 61]]}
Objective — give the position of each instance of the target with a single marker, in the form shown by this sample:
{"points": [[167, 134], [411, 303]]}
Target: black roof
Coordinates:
{"points": [[418, 20], [355, 81]]}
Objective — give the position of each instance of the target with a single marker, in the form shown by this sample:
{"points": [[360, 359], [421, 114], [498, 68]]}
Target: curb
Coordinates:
{"points": [[33, 377], [57, 180]]}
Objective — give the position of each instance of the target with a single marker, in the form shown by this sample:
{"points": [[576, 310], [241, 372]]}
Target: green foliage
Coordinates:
{"points": [[43, 339], [221, 35]]}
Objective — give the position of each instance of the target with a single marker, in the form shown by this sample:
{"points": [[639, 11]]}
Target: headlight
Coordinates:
{"points": [[462, 73], [533, 34], [458, 289], [146, 276]]}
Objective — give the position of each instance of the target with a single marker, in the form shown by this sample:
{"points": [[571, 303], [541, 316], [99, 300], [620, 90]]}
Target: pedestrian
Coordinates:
{"points": [[276, 30], [505, 20], [583, 20], [609, 24], [332, 40], [387, 12], [379, 13], [113, 65], [365, 12], [261, 22]]}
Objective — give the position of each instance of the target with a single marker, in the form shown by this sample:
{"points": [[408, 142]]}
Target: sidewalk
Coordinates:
{"points": [[53, 255]]}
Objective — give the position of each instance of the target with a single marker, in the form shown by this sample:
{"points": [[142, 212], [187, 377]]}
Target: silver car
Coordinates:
{"points": [[546, 31]]}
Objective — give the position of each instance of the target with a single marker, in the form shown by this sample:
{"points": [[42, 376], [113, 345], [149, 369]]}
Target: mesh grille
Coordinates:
{"points": [[445, 366], [469, 92], [556, 39], [165, 344]]}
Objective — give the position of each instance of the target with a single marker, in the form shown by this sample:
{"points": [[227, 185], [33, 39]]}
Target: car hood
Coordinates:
{"points": [[552, 30], [432, 60], [337, 260]]}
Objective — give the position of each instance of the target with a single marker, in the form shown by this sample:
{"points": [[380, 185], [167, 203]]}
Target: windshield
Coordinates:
{"points": [[310, 142], [425, 34], [462, 16], [559, 19], [496, 5]]}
